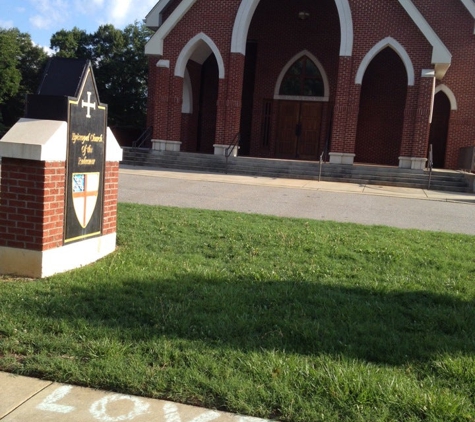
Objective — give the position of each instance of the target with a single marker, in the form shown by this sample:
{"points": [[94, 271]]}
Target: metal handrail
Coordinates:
{"points": [[229, 150], [431, 165], [320, 166], [144, 137]]}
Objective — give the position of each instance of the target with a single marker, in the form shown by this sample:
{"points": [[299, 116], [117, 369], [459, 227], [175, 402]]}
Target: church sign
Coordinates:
{"points": [[87, 125]]}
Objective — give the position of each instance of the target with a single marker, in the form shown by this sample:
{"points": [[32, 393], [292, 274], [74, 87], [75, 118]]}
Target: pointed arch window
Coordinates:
{"points": [[303, 79]]}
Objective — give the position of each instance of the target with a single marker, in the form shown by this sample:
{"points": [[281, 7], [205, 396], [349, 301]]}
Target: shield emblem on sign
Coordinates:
{"points": [[85, 193]]}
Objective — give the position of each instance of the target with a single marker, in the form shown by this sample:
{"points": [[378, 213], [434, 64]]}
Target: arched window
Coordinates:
{"points": [[303, 79]]}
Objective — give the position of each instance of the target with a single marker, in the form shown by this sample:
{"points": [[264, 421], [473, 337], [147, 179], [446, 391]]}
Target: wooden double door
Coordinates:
{"points": [[298, 129]]}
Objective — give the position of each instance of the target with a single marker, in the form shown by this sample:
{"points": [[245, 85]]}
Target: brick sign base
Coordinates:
{"points": [[32, 202]]}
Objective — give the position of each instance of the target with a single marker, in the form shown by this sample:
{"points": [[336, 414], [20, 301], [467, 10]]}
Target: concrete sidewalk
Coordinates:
{"points": [[24, 399], [363, 189]]}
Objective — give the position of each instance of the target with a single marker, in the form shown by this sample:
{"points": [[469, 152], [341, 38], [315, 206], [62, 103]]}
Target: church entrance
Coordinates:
{"points": [[439, 129], [298, 130], [381, 113], [299, 112]]}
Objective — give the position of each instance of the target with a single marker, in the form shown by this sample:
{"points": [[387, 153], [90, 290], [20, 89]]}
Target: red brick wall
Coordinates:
{"points": [[111, 193], [32, 204], [456, 33], [280, 35]]}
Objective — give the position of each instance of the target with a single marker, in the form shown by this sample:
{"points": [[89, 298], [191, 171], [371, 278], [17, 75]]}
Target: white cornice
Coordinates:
{"points": [[154, 18], [441, 56], [470, 5], [154, 47]]}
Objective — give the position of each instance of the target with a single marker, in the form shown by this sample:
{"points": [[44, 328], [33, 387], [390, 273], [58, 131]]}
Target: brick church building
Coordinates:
{"points": [[366, 81]]}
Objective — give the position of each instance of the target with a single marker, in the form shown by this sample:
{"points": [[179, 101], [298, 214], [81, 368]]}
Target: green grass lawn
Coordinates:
{"points": [[277, 318]]}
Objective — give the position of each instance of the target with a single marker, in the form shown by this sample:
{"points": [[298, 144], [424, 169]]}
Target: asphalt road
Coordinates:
{"points": [[288, 200]]}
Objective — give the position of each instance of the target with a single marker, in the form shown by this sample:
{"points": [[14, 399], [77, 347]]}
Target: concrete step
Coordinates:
{"points": [[360, 174]]}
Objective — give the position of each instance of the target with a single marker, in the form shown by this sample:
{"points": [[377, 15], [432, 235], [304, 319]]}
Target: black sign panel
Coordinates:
{"points": [[87, 123]]}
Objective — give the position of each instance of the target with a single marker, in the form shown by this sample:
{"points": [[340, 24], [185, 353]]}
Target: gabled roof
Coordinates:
{"points": [[441, 56], [155, 44], [470, 5], [154, 18]]}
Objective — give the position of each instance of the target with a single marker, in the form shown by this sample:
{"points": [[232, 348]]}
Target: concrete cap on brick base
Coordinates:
{"points": [[39, 140]]}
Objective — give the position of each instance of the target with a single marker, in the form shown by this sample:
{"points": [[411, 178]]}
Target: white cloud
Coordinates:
{"points": [[49, 13], [6, 24], [124, 12], [47, 50]]}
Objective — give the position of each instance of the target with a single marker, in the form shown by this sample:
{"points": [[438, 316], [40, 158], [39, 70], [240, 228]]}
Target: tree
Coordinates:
{"points": [[9, 74], [120, 67], [75, 43], [21, 66]]}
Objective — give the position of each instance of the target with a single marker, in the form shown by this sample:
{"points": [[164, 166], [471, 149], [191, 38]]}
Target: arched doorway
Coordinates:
{"points": [[439, 128], [291, 89], [201, 66], [381, 111], [299, 111], [207, 110]]}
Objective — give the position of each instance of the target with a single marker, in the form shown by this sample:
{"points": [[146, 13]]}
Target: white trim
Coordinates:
{"points": [[38, 140], [154, 17], [290, 63], [380, 46], [248, 7], [450, 95], [470, 5], [164, 63], [441, 56], [346, 28], [187, 105], [301, 98], [154, 46], [47, 140], [40, 264], [428, 73], [162, 145], [341, 158], [198, 49], [114, 152]]}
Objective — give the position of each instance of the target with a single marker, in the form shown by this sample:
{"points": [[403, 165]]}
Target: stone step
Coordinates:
{"points": [[360, 174]]}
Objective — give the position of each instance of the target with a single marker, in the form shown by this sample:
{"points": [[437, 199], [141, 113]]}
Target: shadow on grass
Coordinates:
{"points": [[296, 317]]}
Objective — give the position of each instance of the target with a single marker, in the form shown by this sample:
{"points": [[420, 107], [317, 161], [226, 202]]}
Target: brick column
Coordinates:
{"points": [[339, 153], [417, 118], [32, 204], [228, 119], [161, 92], [111, 196], [422, 127], [174, 108]]}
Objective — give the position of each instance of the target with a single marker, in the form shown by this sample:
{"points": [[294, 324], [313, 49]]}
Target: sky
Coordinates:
{"points": [[42, 18]]}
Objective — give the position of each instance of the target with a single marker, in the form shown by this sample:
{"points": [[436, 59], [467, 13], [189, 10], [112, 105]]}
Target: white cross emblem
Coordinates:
{"points": [[88, 105]]}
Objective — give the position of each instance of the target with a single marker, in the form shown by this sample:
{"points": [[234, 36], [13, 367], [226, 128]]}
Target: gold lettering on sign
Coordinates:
{"points": [[86, 161], [90, 137], [87, 147]]}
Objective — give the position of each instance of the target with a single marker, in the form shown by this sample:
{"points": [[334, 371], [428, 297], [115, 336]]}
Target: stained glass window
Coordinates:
{"points": [[303, 79]]}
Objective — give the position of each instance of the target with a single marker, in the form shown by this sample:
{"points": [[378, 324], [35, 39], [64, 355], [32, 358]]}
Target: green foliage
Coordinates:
{"points": [[278, 318], [120, 67], [9, 74], [26, 64], [71, 44]]}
